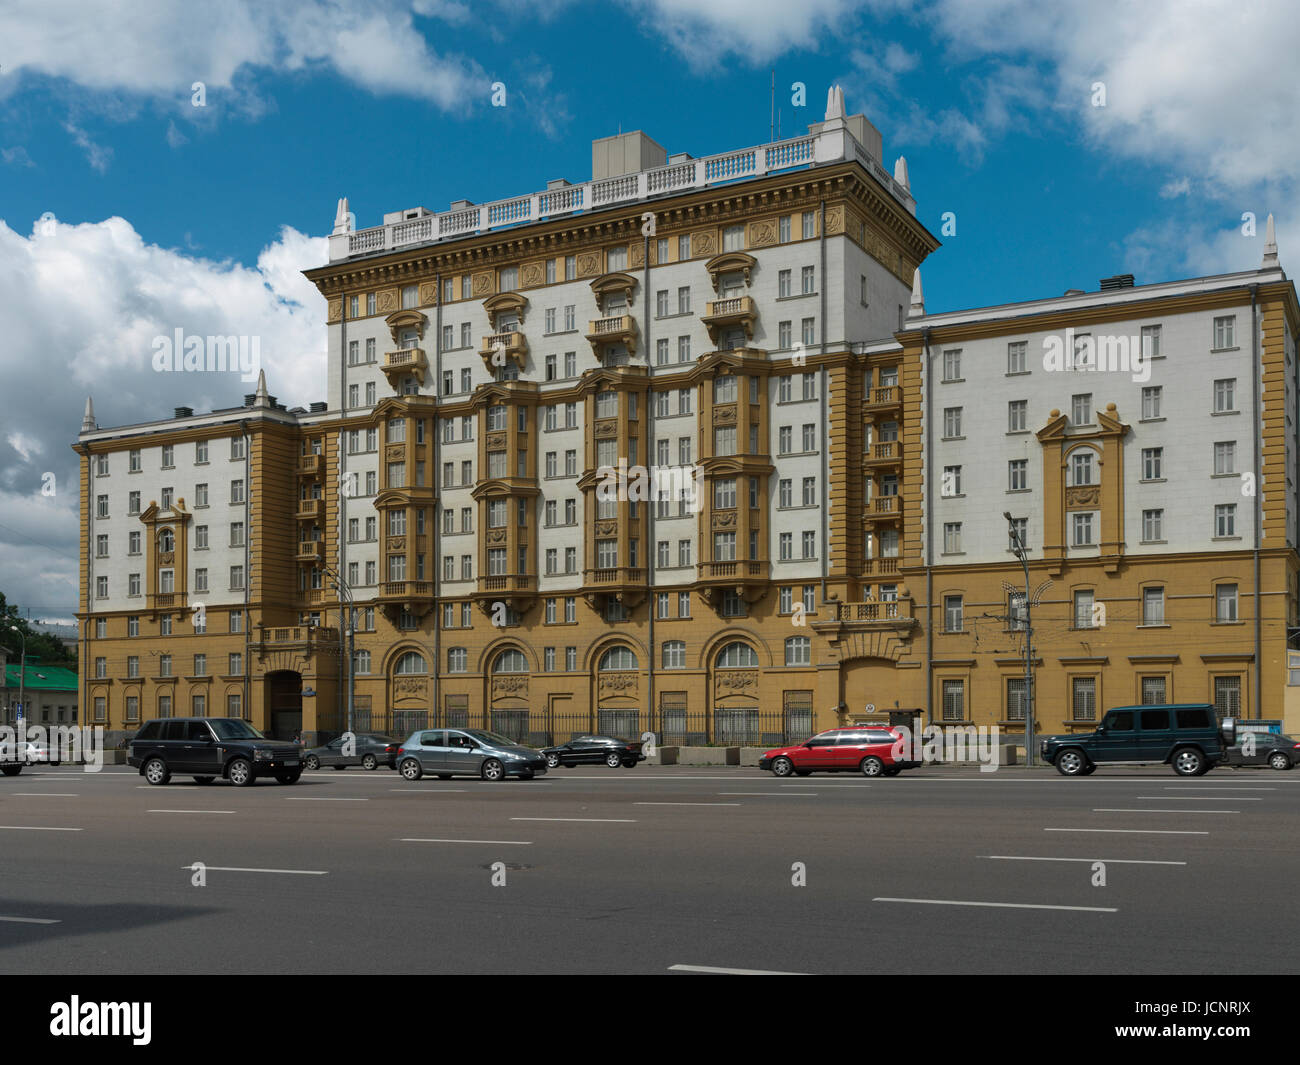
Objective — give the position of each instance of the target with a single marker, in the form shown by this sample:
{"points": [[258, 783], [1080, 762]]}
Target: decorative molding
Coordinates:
{"points": [[724, 415], [703, 244], [606, 528], [735, 682], [397, 544], [762, 233], [1083, 496], [428, 294], [335, 312], [532, 273], [483, 284], [496, 536], [607, 427], [588, 264], [510, 686], [615, 684], [725, 520], [387, 301], [834, 221], [496, 442], [395, 452]]}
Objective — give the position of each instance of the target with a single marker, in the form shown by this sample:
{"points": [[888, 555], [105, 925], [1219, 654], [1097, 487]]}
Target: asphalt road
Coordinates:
{"points": [[645, 870]]}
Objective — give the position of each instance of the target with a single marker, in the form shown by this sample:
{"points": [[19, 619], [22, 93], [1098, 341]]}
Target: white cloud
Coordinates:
{"points": [[96, 154], [1172, 189], [82, 306]]}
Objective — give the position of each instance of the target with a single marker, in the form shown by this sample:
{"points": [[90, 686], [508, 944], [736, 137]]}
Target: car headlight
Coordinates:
{"points": [[263, 756]]}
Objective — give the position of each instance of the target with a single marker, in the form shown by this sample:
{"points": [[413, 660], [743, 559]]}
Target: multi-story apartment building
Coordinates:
{"points": [[754, 320]]}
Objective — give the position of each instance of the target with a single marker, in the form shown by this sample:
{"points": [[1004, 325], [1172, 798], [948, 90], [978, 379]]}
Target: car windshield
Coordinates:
{"points": [[492, 737], [235, 730]]}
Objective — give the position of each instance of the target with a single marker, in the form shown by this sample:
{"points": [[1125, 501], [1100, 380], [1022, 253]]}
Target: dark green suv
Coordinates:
{"points": [[1188, 736]]}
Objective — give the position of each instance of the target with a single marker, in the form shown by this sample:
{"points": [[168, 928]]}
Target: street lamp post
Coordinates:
{"points": [[345, 593], [22, 677], [1023, 555]]}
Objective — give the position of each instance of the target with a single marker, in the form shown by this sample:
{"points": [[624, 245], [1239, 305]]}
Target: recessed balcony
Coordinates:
{"points": [[627, 584], [723, 314], [165, 601], [882, 508], [882, 399], [310, 550], [891, 619], [405, 362], [498, 347], [888, 453], [880, 567], [308, 510], [749, 579], [309, 465]]}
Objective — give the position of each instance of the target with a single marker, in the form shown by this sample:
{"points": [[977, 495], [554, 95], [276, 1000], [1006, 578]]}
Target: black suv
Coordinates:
{"points": [[1187, 736], [210, 747]]}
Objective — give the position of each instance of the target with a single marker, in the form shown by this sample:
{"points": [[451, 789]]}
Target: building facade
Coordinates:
{"points": [[803, 536]]}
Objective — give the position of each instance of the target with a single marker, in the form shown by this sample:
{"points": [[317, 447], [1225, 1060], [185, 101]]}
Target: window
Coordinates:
{"points": [[952, 613], [737, 655], [809, 221], [724, 440], [1016, 356], [724, 547], [808, 280], [1225, 519], [1081, 409], [1016, 699], [1153, 606], [798, 651], [952, 538], [237, 491], [1225, 332], [133, 459], [1225, 395], [951, 422], [952, 364], [1083, 602], [1227, 696], [1152, 463], [809, 544], [785, 546], [1151, 342], [1082, 528], [1225, 457], [954, 700], [951, 485], [808, 331], [1153, 524], [1081, 467], [1083, 698], [1151, 397], [1018, 475], [132, 504]]}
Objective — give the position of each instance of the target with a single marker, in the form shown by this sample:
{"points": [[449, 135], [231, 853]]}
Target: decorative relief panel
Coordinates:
{"points": [[703, 244], [735, 682], [336, 310], [397, 544], [725, 520], [482, 284], [387, 301], [636, 254], [834, 220], [408, 689], [496, 536], [724, 416], [761, 234], [428, 294], [588, 264], [395, 452], [613, 684], [496, 442], [606, 528], [510, 686], [607, 427], [532, 274], [1083, 496]]}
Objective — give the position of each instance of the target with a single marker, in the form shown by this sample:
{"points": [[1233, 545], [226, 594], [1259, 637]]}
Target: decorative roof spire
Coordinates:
{"points": [[342, 218], [918, 300], [261, 398], [900, 173], [88, 423], [834, 103], [1270, 246]]}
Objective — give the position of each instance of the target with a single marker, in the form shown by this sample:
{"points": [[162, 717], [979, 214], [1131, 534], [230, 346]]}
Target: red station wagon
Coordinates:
{"points": [[864, 749]]}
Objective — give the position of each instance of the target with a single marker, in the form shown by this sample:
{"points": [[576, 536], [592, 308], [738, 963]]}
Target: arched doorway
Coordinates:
{"points": [[735, 695], [509, 694], [283, 704], [618, 706]]}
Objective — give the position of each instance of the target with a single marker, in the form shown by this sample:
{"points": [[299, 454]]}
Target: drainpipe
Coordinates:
{"points": [[435, 474], [82, 717], [1259, 486], [929, 531], [248, 567], [826, 442], [651, 505]]}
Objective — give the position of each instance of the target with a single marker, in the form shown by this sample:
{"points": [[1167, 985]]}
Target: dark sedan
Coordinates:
{"points": [[368, 749], [595, 750], [1264, 748]]}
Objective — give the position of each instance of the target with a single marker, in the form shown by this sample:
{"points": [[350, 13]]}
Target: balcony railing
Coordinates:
{"points": [[874, 610], [884, 397], [510, 344], [880, 567], [309, 465], [310, 550], [747, 570], [398, 364], [826, 146], [308, 509], [616, 575], [734, 310], [406, 589], [889, 451]]}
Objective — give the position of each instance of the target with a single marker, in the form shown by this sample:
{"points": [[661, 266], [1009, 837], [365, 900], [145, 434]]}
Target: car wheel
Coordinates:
{"points": [[1189, 762], [370, 762], [240, 773], [493, 770], [552, 761], [783, 767], [1071, 762], [410, 769], [613, 760], [312, 762], [1278, 760], [156, 771], [871, 766], [12, 770], [204, 780]]}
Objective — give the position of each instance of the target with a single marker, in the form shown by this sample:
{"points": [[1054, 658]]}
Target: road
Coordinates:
{"points": [[651, 870]]}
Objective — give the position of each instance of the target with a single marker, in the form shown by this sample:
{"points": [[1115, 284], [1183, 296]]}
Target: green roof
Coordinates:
{"points": [[49, 678]]}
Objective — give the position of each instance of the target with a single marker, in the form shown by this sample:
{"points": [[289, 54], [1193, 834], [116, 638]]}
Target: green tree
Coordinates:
{"points": [[49, 649]]}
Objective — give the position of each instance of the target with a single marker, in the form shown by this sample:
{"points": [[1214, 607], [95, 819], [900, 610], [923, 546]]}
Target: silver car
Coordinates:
{"points": [[448, 752]]}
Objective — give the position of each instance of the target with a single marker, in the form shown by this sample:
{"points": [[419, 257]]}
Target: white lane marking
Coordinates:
{"points": [[242, 869], [428, 791], [495, 842], [729, 972], [320, 798], [1198, 798], [189, 811], [30, 920], [820, 785], [1108, 861], [688, 804], [36, 828], [1002, 905], [1123, 810], [603, 820], [1136, 831], [775, 794], [1222, 787], [47, 794]]}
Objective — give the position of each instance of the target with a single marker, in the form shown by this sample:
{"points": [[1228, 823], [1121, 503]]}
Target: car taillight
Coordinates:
{"points": [[400, 750]]}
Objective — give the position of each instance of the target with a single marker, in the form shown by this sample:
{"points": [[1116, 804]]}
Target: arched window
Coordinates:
{"points": [[798, 651], [166, 540], [510, 661], [411, 662], [1081, 466], [617, 658], [674, 655], [737, 655]]}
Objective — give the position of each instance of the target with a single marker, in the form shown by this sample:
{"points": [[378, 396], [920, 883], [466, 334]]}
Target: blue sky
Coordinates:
{"points": [[202, 217]]}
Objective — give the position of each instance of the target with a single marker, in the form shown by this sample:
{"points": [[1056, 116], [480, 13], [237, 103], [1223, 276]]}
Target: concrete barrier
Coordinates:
{"points": [[709, 756], [750, 755]]}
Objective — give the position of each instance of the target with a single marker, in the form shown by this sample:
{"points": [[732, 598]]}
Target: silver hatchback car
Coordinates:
{"points": [[448, 752]]}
